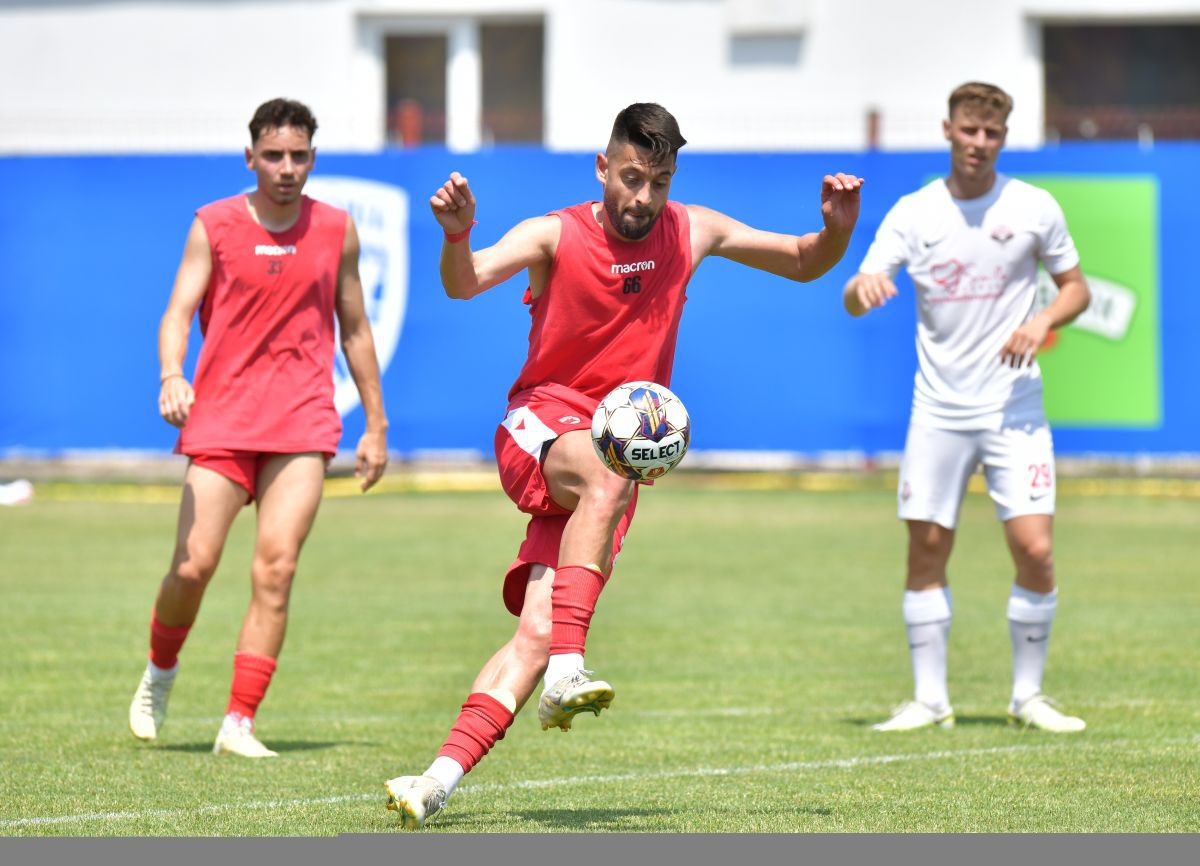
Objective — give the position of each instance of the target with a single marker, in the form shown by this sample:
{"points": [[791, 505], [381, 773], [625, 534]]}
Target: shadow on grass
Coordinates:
{"points": [[541, 820], [959, 721], [281, 746], [982, 721]]}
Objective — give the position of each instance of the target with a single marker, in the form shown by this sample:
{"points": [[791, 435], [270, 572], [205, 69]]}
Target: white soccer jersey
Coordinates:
{"points": [[974, 265]]}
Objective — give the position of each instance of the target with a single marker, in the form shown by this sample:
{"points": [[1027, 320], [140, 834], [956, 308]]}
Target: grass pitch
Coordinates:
{"points": [[752, 635]]}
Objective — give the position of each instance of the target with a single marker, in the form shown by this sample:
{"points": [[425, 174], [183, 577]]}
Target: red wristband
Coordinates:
{"points": [[455, 238]]}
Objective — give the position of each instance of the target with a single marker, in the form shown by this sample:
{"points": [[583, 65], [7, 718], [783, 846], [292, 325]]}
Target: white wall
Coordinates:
{"points": [[97, 76], [161, 76]]}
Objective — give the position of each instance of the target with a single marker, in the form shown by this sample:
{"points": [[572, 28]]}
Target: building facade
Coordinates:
{"points": [[741, 75]]}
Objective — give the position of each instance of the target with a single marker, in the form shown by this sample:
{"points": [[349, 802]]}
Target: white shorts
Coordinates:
{"points": [[1018, 463]]}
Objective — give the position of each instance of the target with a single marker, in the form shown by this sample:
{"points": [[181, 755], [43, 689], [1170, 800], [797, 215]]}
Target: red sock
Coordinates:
{"points": [[251, 676], [165, 642], [573, 597], [480, 725]]}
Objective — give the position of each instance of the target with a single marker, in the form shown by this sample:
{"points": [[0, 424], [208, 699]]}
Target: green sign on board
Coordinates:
{"points": [[1103, 369]]}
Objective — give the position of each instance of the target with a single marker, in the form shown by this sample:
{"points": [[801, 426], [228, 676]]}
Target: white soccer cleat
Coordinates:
{"points": [[914, 715], [574, 693], [415, 798], [236, 737], [1041, 713], [149, 708], [19, 492]]}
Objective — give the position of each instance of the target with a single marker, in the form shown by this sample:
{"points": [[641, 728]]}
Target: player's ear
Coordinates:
{"points": [[601, 168], [946, 129], [250, 158]]}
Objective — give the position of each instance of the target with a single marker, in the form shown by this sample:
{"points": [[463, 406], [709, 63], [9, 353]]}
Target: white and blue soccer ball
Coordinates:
{"points": [[641, 430]]}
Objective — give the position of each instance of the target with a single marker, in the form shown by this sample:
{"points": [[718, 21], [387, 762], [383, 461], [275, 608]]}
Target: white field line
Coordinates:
{"points": [[790, 767], [489, 787]]}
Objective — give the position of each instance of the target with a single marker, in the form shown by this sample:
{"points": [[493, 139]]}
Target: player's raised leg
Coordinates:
{"points": [[598, 498], [1031, 609], [502, 687], [289, 492], [927, 614], [208, 506]]}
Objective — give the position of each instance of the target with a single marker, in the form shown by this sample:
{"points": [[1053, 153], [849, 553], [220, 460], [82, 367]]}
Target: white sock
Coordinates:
{"points": [[561, 665], [234, 721], [1030, 615], [447, 771], [157, 673], [927, 618]]}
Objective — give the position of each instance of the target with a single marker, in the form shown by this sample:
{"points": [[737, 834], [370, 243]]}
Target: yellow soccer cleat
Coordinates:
{"points": [[415, 798], [572, 694]]}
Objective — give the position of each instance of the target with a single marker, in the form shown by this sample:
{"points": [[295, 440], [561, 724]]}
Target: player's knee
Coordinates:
{"points": [[1038, 553], [194, 567], [610, 497], [533, 638], [273, 574], [928, 549]]}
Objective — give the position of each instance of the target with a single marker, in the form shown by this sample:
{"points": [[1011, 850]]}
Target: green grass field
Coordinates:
{"points": [[753, 637]]}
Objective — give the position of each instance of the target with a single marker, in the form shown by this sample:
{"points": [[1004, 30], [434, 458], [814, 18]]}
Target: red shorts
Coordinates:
{"points": [[240, 467], [536, 417]]}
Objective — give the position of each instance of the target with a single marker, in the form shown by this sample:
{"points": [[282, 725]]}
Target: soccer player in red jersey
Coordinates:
{"points": [[268, 271], [607, 284]]}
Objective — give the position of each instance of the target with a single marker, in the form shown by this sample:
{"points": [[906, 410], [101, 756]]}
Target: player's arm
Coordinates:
{"points": [[175, 394], [1072, 299], [873, 285], [358, 345], [802, 258], [465, 272]]}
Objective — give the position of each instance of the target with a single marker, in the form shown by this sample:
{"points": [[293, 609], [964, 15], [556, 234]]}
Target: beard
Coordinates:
{"points": [[625, 226]]}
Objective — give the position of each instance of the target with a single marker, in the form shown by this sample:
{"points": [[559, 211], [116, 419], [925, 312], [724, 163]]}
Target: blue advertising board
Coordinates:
{"points": [[90, 246]]}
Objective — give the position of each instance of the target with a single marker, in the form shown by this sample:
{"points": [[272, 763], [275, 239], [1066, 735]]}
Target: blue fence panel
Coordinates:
{"points": [[90, 246]]}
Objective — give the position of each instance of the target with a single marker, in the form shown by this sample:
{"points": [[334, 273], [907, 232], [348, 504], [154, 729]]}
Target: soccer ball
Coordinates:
{"points": [[641, 431]]}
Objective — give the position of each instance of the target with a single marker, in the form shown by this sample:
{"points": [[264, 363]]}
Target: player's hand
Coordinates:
{"points": [[175, 399], [872, 290], [839, 202], [453, 205], [370, 458], [1019, 350]]}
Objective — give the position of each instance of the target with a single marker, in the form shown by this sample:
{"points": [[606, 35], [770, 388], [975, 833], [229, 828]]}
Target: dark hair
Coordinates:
{"points": [[988, 97], [277, 113], [650, 126]]}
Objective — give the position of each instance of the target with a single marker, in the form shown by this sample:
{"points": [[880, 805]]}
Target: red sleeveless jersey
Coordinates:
{"points": [[610, 310], [264, 381]]}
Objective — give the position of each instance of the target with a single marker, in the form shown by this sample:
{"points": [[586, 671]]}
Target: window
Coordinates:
{"points": [[416, 90], [464, 83], [1122, 81], [765, 50], [512, 82]]}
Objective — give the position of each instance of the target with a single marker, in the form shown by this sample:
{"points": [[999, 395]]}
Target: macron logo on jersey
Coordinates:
{"points": [[272, 250], [633, 267]]}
